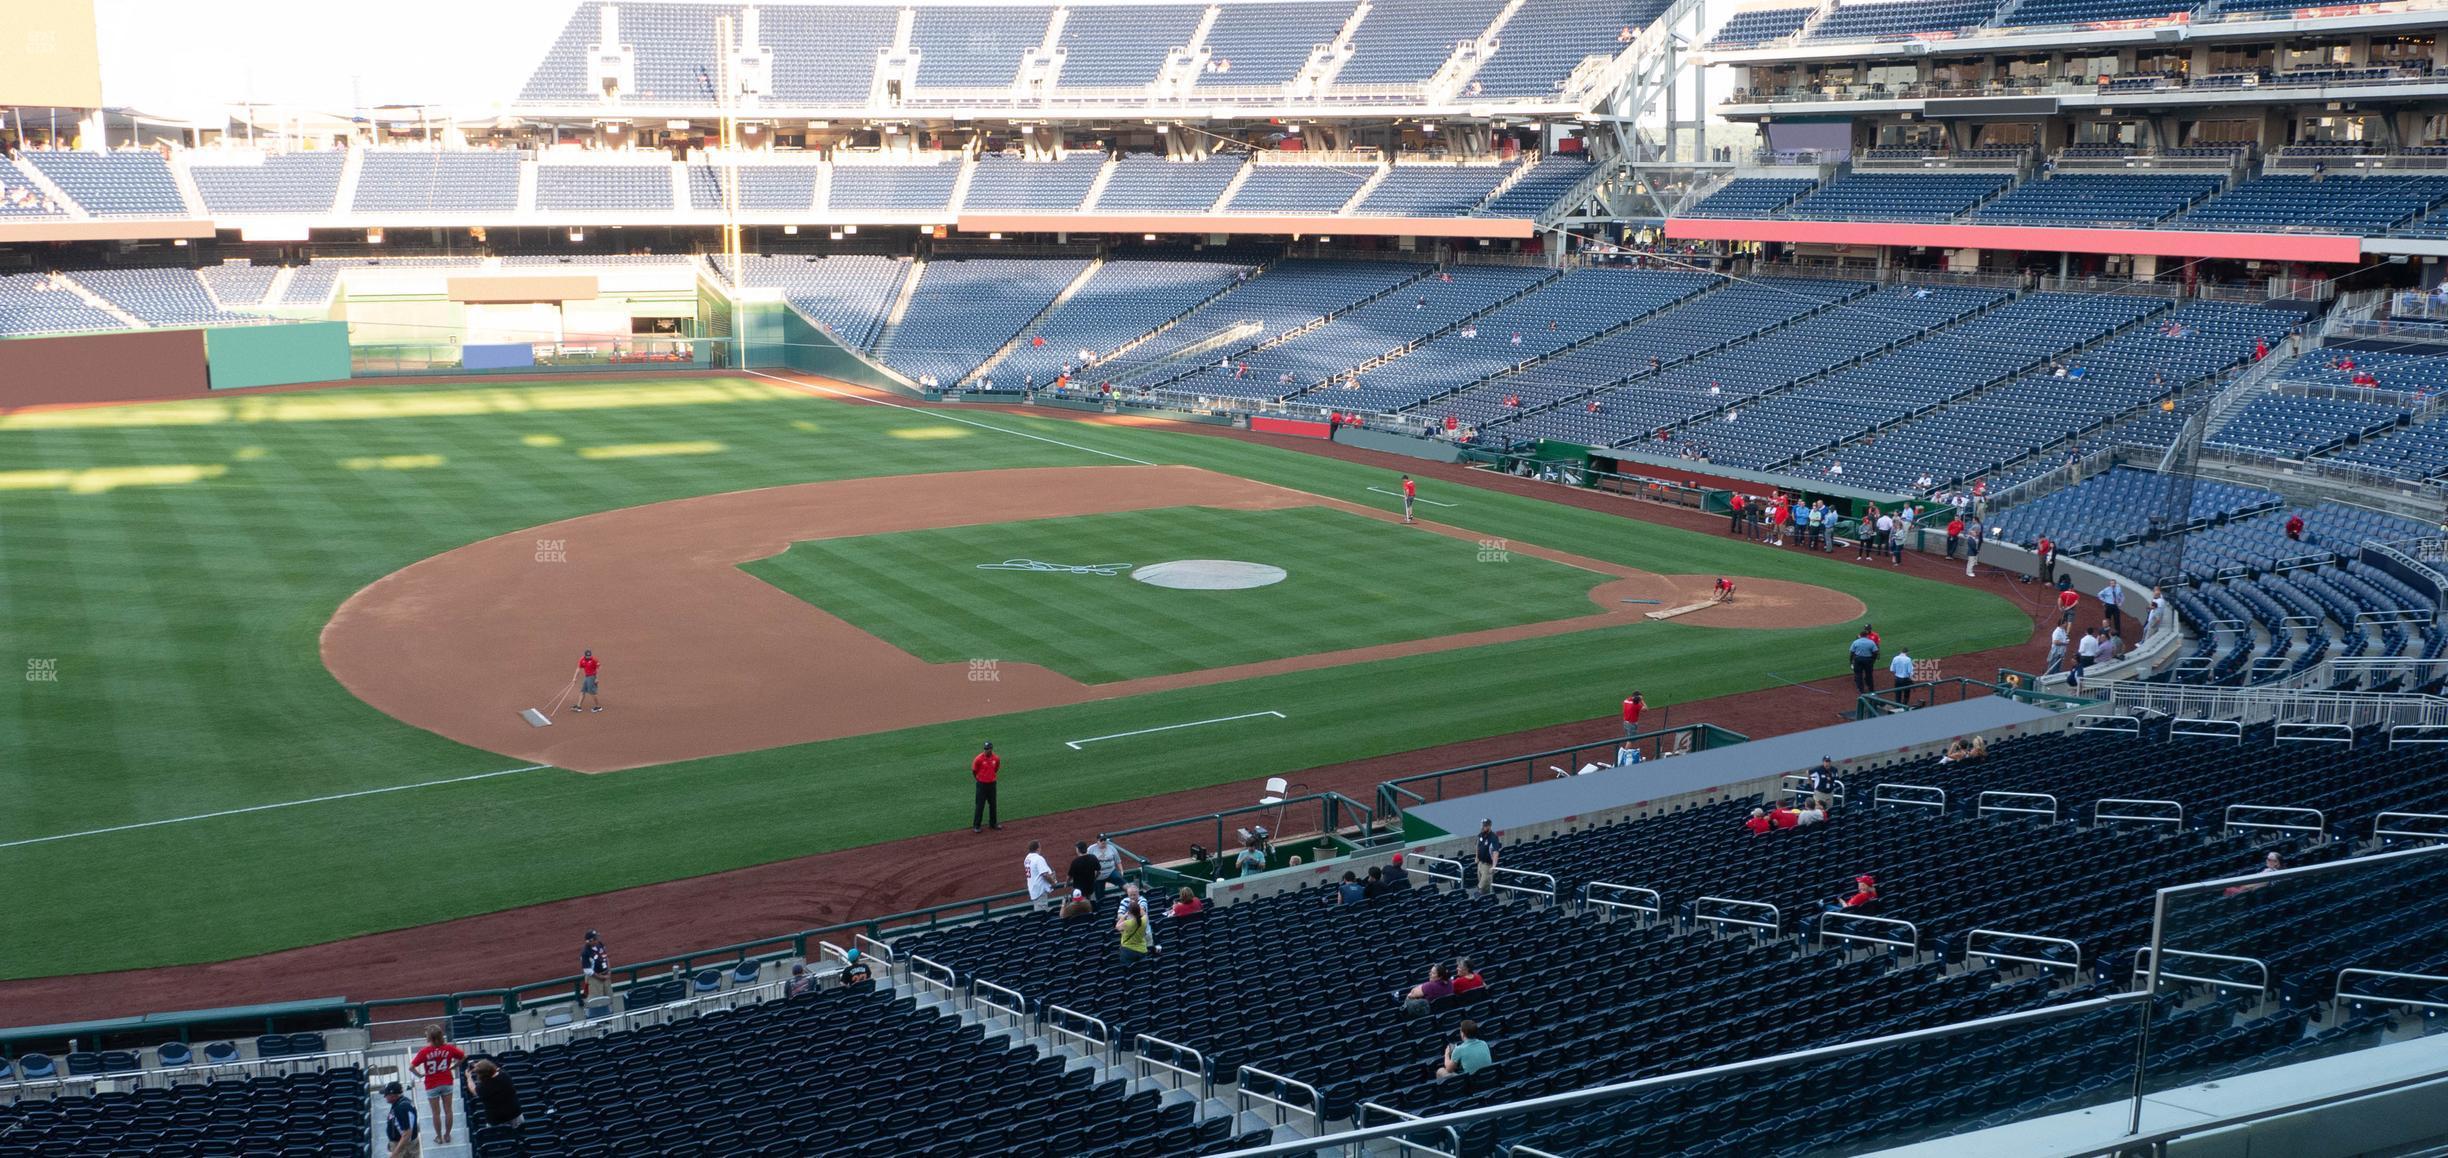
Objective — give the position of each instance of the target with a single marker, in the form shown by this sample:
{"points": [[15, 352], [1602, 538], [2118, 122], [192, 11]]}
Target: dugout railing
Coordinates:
{"points": [[1394, 795]]}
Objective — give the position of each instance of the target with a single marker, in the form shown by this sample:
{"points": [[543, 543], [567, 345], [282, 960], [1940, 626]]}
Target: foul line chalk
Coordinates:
{"points": [[1074, 745], [1398, 494], [947, 417], [269, 807]]}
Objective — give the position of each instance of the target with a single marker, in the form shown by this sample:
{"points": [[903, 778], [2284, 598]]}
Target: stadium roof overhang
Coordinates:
{"points": [[105, 229], [2315, 248], [2371, 18], [2084, 100], [1275, 225]]}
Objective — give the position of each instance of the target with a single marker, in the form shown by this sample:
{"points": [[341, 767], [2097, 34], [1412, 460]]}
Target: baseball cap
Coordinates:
{"points": [[391, 1089], [798, 970], [850, 955], [1865, 879], [1398, 858], [591, 935], [990, 745]]}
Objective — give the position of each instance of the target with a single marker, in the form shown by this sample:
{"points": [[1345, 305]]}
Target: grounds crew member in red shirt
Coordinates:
{"points": [[1410, 492], [1954, 534], [587, 667], [982, 768], [2066, 600], [1632, 712]]}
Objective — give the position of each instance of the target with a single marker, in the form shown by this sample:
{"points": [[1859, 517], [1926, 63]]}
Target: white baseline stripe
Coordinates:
{"points": [[270, 807], [945, 416], [1398, 494], [1074, 745]]}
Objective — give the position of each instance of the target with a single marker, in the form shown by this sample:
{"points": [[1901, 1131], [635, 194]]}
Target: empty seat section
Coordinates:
{"points": [[1757, 26], [1264, 46], [1431, 190], [1289, 294], [125, 183], [1147, 183], [317, 1112], [2294, 202], [1298, 187], [1538, 190], [239, 284], [963, 310], [1005, 182], [848, 294], [761, 187], [33, 303], [2099, 199], [276, 183], [1406, 41], [1555, 315], [974, 47], [604, 188], [1547, 39], [159, 297], [896, 187], [826, 53], [1121, 302], [1377, 329], [21, 198], [1122, 46], [436, 181], [2293, 426], [1873, 196], [2036, 13], [2125, 503], [1751, 197], [1899, 19]]}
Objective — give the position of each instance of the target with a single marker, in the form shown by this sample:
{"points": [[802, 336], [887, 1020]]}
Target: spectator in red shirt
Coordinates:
{"points": [[1632, 707], [1189, 905], [1783, 817], [1734, 513], [1759, 824], [1466, 978], [2066, 600], [1865, 894], [2295, 527], [1954, 534], [983, 768], [435, 1063]]}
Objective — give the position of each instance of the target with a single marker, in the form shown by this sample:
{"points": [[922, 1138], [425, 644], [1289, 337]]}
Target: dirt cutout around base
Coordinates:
{"points": [[702, 658]]}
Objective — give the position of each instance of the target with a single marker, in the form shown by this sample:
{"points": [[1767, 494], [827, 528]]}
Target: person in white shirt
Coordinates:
{"points": [[1809, 814], [1040, 878], [2057, 649], [2158, 609], [2086, 653], [1900, 669]]}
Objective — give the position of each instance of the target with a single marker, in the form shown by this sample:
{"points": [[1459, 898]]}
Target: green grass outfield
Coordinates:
{"points": [[165, 571], [1350, 582]]}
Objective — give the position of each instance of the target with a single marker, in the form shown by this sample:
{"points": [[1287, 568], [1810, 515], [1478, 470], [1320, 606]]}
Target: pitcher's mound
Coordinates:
{"points": [[1209, 574]]}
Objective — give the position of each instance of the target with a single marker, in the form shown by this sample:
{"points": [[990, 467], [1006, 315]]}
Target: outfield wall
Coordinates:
{"points": [[136, 366]]}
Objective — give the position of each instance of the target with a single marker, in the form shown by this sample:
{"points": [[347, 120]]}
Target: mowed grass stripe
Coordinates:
{"points": [[1352, 582]]}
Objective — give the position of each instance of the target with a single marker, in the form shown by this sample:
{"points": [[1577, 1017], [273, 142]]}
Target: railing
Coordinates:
{"points": [[1016, 1008], [1354, 1141], [2264, 705], [921, 977], [1144, 1058], [1547, 894], [1878, 796], [2319, 825], [1911, 942], [1985, 808], [166, 1076], [2143, 960], [2418, 734], [1529, 769], [1608, 905], [2099, 813], [2381, 830], [2339, 995], [1972, 948], [1419, 863], [1336, 814], [2107, 722], [1453, 1136], [1062, 1022], [1774, 924], [1243, 1095]]}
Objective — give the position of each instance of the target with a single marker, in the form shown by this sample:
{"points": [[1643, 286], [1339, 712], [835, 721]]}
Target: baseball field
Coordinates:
{"points": [[275, 646]]}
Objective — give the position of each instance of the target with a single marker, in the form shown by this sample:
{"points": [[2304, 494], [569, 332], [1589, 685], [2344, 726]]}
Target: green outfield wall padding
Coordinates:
{"points": [[282, 355]]}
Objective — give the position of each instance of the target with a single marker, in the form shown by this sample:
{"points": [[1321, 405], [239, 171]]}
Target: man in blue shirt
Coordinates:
{"points": [[401, 1124], [1865, 653], [1489, 849], [2112, 606]]}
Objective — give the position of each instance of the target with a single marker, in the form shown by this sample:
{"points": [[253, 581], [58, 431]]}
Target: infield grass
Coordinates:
{"points": [[1350, 582], [167, 569]]}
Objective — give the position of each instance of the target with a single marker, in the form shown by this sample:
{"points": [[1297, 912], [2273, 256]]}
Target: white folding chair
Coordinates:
{"points": [[1277, 788]]}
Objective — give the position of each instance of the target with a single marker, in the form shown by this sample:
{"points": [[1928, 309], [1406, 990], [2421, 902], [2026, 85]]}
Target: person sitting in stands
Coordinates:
{"points": [[1782, 816], [1810, 814], [1468, 1055], [1397, 878], [1188, 906], [2269, 864], [1435, 987], [1374, 884], [1865, 895], [1253, 859], [1466, 978], [854, 969], [1980, 748], [1077, 908], [1350, 892], [799, 982], [1759, 824], [1957, 752]]}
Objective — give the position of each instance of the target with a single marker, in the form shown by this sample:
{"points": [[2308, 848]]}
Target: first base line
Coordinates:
{"points": [[270, 807], [1074, 745], [1398, 494]]}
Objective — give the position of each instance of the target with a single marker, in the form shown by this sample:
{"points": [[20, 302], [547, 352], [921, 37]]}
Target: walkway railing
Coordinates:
{"points": [[1395, 795]]}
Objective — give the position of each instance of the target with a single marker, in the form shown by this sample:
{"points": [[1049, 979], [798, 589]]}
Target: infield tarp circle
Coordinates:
{"points": [[1209, 574]]}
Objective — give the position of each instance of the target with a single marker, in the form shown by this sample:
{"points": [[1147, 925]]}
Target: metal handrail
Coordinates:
{"points": [[949, 983], [1140, 1061], [2320, 823], [1986, 808], [325, 1060], [2144, 955], [1774, 924], [1054, 1023], [1548, 894], [1360, 1112], [1912, 935], [1017, 1009], [2105, 722], [2290, 732], [2207, 729], [1413, 861], [1878, 796], [1655, 909], [2097, 815], [2418, 734], [1243, 1095], [2339, 993], [2075, 965], [1620, 1091], [2380, 833]]}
